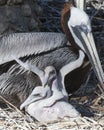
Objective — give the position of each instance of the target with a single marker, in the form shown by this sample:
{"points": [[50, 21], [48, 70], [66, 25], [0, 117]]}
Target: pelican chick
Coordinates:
{"points": [[60, 108]]}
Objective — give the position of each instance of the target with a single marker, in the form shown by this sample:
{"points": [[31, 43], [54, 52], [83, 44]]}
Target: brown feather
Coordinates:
{"points": [[65, 15]]}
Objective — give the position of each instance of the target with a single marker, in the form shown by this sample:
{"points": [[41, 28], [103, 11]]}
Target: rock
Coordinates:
{"points": [[19, 15], [3, 2], [26, 10]]}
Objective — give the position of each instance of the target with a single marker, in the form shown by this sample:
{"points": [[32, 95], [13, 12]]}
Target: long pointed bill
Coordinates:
{"points": [[30, 100], [91, 51], [80, 4]]}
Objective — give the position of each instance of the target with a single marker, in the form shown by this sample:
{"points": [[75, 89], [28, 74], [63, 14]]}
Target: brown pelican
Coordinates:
{"points": [[48, 98], [48, 49]]}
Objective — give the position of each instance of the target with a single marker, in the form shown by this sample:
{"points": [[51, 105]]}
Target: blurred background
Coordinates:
{"points": [[44, 15]]}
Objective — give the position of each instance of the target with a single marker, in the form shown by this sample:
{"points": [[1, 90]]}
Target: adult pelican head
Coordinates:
{"points": [[76, 22]]}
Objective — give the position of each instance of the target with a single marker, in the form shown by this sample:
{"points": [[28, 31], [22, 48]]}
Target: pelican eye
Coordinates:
{"points": [[84, 28]]}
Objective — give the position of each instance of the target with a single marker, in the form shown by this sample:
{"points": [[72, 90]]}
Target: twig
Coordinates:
{"points": [[10, 104], [100, 6]]}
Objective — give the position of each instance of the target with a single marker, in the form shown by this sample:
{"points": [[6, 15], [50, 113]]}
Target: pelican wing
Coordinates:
{"points": [[24, 44]]}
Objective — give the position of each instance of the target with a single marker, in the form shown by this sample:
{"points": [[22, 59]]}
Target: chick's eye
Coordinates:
{"points": [[52, 72]]}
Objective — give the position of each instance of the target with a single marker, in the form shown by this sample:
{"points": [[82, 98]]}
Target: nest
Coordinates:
{"points": [[13, 119]]}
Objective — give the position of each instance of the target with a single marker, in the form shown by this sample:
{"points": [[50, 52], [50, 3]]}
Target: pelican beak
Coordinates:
{"points": [[85, 40], [91, 51], [29, 100], [45, 80]]}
